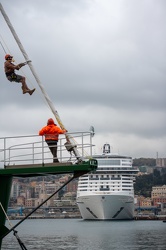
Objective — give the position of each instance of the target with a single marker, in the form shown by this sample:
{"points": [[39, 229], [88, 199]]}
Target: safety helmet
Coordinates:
{"points": [[50, 121], [8, 56]]}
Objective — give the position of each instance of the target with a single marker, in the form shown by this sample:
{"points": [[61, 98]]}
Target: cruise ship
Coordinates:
{"points": [[108, 193]]}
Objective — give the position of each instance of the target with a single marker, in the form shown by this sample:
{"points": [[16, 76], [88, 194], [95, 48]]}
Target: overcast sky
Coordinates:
{"points": [[101, 62]]}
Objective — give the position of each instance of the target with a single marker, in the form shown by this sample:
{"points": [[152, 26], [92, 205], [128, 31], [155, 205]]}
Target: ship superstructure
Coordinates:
{"points": [[108, 193]]}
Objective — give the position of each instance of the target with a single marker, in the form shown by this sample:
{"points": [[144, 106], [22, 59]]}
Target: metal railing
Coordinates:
{"points": [[32, 149]]}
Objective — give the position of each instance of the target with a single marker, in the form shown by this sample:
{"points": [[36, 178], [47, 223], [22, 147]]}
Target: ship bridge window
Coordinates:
{"points": [[126, 164], [108, 162], [127, 160]]}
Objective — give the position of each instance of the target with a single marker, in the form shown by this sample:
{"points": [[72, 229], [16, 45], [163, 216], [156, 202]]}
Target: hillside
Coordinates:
{"points": [[144, 183]]}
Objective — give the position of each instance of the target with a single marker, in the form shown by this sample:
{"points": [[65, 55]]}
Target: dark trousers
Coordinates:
{"points": [[53, 148]]}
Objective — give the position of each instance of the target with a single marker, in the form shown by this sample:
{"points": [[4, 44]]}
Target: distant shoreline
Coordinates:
{"points": [[139, 217]]}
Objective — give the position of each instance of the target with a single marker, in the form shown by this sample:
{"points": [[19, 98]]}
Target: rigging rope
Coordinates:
{"points": [[69, 138], [19, 240], [85, 153], [14, 231], [6, 215], [5, 45], [9, 52], [7, 49], [76, 175]]}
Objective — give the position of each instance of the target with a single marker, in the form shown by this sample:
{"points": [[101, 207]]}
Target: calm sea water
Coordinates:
{"points": [[70, 234]]}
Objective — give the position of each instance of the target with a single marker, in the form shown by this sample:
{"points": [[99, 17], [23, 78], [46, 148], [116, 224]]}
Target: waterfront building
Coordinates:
{"points": [[158, 191], [20, 200], [30, 202], [46, 187], [72, 186], [15, 190], [158, 195], [142, 201], [146, 202]]}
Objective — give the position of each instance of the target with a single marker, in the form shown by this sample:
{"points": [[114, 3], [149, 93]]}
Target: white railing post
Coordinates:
{"points": [[9, 155], [91, 144], [42, 149], [33, 153], [82, 144], [60, 149], [4, 151]]}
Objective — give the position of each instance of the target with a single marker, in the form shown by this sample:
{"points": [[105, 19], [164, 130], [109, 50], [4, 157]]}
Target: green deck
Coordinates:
{"points": [[48, 168], [7, 174]]}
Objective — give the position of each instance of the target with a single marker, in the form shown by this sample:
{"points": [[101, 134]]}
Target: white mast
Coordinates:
{"points": [[70, 141]]}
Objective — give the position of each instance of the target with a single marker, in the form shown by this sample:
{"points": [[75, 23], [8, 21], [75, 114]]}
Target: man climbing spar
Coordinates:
{"points": [[10, 68]]}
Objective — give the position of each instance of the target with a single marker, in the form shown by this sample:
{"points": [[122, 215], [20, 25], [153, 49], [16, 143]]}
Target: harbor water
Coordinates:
{"points": [[70, 234]]}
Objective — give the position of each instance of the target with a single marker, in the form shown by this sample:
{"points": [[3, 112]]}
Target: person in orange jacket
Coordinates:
{"points": [[10, 68], [51, 133]]}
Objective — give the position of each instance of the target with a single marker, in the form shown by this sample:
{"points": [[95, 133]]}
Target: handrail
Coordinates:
{"points": [[32, 149]]}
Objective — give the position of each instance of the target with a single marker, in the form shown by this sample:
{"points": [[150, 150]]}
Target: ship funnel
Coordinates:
{"points": [[106, 148]]}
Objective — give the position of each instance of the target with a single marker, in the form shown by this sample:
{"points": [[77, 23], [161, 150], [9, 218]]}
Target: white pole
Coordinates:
{"points": [[54, 111]]}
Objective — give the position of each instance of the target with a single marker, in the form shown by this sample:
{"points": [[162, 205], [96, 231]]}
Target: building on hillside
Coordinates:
{"points": [[46, 188], [20, 200], [15, 189], [142, 201], [30, 202], [158, 201], [158, 191], [150, 170], [161, 162], [158, 195], [42, 197], [72, 186], [144, 205], [146, 202]]}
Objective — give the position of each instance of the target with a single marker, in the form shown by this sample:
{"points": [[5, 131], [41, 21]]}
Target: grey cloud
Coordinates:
{"points": [[101, 62]]}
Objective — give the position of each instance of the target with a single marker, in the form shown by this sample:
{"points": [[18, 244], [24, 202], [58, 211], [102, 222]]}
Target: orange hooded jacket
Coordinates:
{"points": [[51, 131]]}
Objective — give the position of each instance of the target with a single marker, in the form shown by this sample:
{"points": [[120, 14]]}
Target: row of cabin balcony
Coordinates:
{"points": [[111, 186], [129, 182], [105, 189], [117, 168]]}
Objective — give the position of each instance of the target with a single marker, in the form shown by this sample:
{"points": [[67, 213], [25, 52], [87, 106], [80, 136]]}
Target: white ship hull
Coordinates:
{"points": [[106, 207], [108, 192]]}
